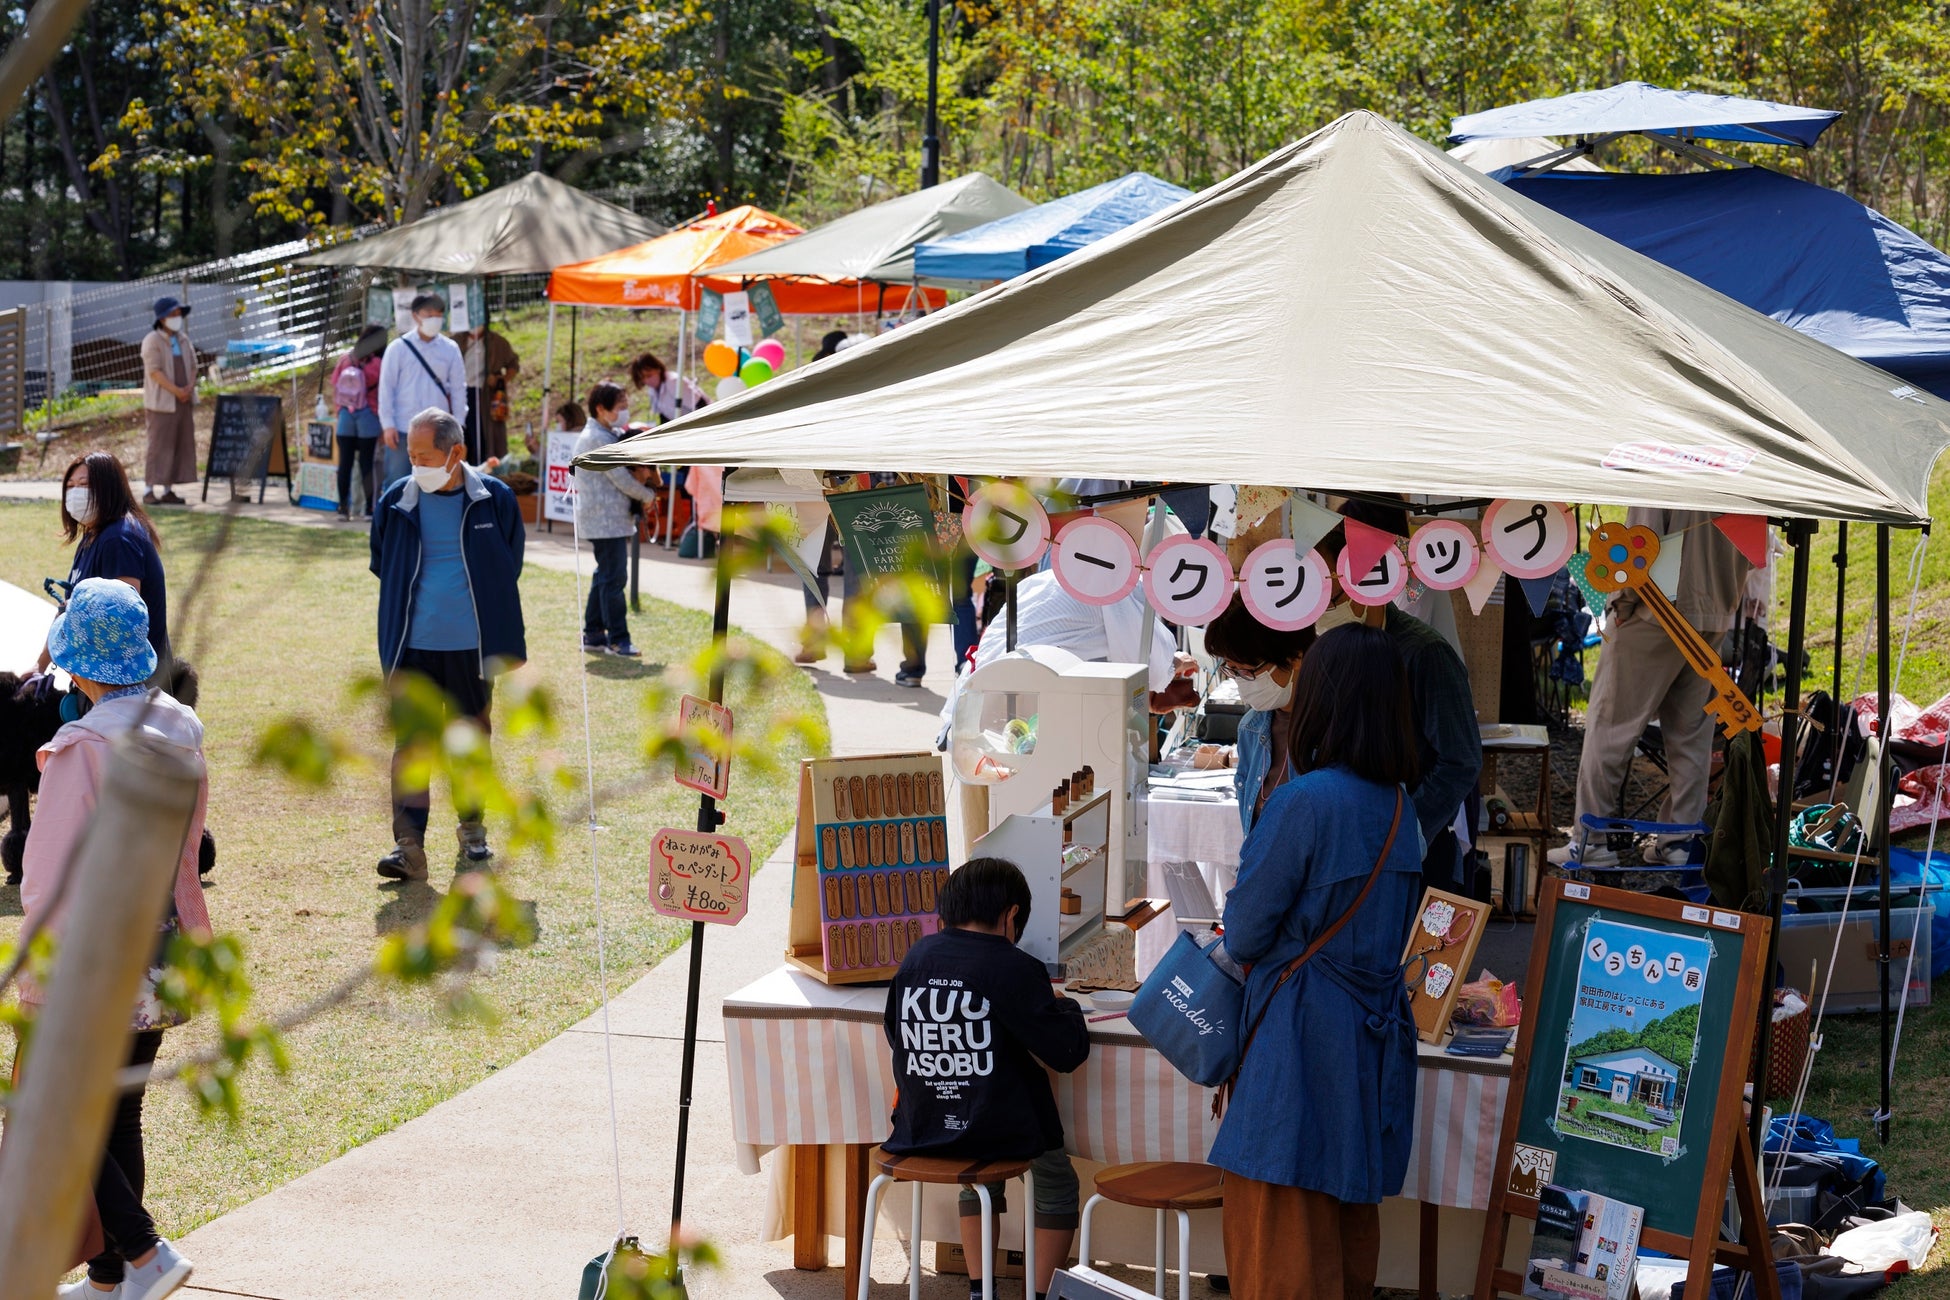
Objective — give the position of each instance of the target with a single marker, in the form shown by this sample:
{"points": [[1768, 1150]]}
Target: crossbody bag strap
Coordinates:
{"points": [[445, 400], [1326, 936]]}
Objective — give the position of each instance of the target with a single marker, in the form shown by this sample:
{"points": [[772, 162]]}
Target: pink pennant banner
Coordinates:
{"points": [[1748, 533], [1364, 545]]}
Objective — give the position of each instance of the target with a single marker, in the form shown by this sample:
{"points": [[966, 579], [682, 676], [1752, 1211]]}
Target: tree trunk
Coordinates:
{"points": [[116, 901]]}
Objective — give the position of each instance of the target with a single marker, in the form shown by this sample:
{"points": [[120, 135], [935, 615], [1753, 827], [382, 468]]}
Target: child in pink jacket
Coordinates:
{"points": [[102, 640]]}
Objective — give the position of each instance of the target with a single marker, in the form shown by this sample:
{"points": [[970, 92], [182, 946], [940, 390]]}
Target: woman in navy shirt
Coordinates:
{"points": [[1323, 1110], [99, 509]]}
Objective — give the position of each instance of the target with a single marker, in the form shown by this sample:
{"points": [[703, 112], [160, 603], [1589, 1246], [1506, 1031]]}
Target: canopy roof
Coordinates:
{"points": [[1034, 236], [1391, 321], [526, 227], [1807, 256], [877, 243], [1654, 110], [1491, 156]]}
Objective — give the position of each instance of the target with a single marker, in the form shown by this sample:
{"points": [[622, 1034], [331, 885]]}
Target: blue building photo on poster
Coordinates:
{"points": [[1633, 1037]]}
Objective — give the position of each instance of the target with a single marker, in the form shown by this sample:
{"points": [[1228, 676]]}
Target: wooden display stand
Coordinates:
{"points": [[1631, 1122], [1435, 961], [1058, 852], [871, 853]]}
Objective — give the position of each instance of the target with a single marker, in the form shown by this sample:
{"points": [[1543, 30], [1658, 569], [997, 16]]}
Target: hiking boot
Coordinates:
{"points": [[475, 855], [1594, 855], [407, 861]]}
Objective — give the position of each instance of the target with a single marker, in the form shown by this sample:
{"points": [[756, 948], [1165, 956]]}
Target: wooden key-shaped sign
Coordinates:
{"points": [[1621, 560]]}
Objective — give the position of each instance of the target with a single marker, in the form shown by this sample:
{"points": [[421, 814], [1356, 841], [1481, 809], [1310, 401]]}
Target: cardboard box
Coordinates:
{"points": [[948, 1258]]}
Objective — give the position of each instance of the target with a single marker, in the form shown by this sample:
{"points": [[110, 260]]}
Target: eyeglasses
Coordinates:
{"points": [[1227, 673]]}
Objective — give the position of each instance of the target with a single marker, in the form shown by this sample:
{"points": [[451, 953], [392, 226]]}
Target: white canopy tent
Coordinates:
{"points": [[1356, 312]]}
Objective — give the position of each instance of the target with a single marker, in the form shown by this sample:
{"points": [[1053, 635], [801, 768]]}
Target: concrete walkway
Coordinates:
{"points": [[507, 1190]]}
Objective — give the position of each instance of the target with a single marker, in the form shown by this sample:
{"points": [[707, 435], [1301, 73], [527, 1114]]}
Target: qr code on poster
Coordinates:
{"points": [[1668, 1146]]}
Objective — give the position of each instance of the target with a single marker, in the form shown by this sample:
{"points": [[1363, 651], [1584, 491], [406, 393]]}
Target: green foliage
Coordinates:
{"points": [[634, 1274]]}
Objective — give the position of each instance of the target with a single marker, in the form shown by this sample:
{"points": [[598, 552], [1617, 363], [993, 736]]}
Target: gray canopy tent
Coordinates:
{"points": [[1390, 321]]}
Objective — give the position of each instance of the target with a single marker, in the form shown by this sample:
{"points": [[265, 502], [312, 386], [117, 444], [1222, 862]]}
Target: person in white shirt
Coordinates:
{"points": [[421, 369], [1048, 615], [666, 396]]}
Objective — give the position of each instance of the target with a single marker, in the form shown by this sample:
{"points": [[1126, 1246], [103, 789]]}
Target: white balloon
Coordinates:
{"points": [[730, 386]]}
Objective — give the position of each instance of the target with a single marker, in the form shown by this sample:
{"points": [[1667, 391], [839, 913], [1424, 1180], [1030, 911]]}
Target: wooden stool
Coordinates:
{"points": [[949, 1172], [1166, 1185]]}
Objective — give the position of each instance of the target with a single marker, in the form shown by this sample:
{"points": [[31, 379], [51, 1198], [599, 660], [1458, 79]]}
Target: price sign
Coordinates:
{"points": [[1095, 560], [1529, 539], [706, 729], [1006, 525], [1444, 555], [1188, 580], [699, 877], [1284, 588]]}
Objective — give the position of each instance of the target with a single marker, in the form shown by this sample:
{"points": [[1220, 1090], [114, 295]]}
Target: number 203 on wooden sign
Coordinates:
{"points": [[700, 877]]}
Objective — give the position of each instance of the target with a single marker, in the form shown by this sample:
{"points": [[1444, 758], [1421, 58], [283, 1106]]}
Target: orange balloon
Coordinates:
{"points": [[721, 359]]}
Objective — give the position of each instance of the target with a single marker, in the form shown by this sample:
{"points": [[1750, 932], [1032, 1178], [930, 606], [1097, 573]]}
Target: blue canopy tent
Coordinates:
{"points": [[1809, 257], [1008, 246], [1636, 106]]}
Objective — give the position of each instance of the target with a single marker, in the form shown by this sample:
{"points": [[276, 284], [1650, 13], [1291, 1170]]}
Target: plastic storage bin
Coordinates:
{"points": [[1808, 943]]}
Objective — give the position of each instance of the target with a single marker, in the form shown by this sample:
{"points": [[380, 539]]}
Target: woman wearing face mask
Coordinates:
{"points": [[169, 404], [603, 519], [116, 539], [1263, 661]]}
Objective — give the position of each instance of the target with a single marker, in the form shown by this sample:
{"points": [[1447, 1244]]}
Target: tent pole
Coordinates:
{"points": [[1884, 790], [1798, 531], [1009, 603], [1841, 616], [548, 366], [670, 500], [708, 821]]}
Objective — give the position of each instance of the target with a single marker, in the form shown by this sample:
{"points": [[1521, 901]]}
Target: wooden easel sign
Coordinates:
{"points": [[1639, 1019]]}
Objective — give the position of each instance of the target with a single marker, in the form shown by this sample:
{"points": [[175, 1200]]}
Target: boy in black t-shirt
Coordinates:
{"points": [[973, 1020]]}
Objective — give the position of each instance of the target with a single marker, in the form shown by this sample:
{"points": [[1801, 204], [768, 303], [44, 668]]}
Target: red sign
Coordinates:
{"points": [[699, 877]]}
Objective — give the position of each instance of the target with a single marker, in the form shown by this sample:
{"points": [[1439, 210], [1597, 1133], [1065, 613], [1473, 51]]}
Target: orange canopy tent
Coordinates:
{"points": [[672, 270]]}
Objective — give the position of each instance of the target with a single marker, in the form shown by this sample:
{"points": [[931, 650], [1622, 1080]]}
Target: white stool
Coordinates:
{"points": [[1165, 1186], [919, 1171]]}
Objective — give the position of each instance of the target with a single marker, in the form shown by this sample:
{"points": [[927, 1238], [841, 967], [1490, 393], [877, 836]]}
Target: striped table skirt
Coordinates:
{"points": [[810, 1066]]}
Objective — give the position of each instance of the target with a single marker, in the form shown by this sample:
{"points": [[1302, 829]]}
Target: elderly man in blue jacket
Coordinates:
{"points": [[446, 547]]}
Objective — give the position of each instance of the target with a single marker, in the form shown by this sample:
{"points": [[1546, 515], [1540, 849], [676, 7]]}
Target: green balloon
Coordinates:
{"points": [[755, 371]]}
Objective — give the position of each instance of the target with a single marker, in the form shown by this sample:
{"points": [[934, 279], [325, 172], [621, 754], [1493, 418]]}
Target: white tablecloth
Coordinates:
{"points": [[1183, 830]]}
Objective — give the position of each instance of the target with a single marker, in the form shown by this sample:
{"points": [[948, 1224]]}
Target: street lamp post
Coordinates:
{"points": [[931, 130]]}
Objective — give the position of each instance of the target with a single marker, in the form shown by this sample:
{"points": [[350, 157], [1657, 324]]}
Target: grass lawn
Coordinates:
{"points": [[286, 626]]}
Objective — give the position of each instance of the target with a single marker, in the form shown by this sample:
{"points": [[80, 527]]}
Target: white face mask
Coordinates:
{"points": [[173, 324], [429, 326], [1263, 693], [432, 478], [1339, 616], [621, 420], [80, 503]]}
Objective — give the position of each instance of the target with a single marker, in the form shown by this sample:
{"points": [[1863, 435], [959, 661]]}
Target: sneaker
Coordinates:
{"points": [[475, 855], [905, 678], [807, 654], [864, 666], [86, 1290], [594, 647], [1595, 855], [1669, 853], [407, 861], [626, 650], [165, 1272]]}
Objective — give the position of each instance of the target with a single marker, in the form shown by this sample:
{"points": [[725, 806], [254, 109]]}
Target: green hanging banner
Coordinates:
{"points": [[765, 308], [710, 310], [889, 532]]}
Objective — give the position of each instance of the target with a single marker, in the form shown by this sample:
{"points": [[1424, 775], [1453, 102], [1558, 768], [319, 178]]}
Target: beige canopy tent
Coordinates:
{"points": [[526, 227], [1356, 312]]}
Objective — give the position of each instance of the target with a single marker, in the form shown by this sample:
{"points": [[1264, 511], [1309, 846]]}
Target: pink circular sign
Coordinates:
{"points": [[1095, 560], [1444, 554], [1380, 584], [1188, 580], [1528, 539], [1006, 525], [1284, 588]]}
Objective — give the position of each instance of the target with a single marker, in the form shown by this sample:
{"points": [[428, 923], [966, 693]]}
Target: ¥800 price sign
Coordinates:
{"points": [[700, 877]]}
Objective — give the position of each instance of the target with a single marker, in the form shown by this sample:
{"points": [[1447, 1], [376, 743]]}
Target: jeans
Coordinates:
{"points": [[606, 616], [358, 437], [468, 695], [393, 464], [962, 567], [127, 1229]]}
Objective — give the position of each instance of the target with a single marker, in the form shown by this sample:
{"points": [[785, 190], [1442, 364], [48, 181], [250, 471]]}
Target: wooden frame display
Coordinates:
{"points": [[1620, 987], [871, 853], [1436, 959]]}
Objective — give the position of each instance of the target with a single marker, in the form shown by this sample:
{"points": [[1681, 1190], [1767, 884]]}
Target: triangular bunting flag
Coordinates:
{"points": [[1665, 569], [1748, 533], [1364, 545], [1538, 592], [1480, 587], [1310, 523], [1594, 600]]}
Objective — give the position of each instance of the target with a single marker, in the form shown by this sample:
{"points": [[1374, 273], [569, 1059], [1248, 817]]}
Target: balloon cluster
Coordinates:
{"points": [[738, 369]]}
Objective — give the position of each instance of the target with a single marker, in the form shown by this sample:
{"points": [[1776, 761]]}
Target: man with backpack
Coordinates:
{"points": [[422, 368]]}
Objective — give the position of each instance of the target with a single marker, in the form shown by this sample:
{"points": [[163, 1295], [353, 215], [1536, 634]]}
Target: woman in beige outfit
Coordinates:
{"points": [[169, 404]]}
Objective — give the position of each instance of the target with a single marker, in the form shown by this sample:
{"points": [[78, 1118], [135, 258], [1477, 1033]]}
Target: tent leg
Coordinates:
{"points": [[1798, 531], [575, 318], [1884, 789], [548, 369]]}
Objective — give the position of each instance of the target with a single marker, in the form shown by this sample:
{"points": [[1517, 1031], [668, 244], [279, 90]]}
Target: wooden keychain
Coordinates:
{"points": [[941, 843], [907, 844], [884, 942], [913, 932], [936, 804], [889, 793], [839, 799], [832, 898], [859, 844], [900, 942], [905, 788], [873, 796], [849, 905], [876, 846], [829, 840], [880, 894], [856, 790], [927, 891]]}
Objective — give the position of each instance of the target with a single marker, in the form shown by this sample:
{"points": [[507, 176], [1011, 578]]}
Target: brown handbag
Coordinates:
{"points": [[1223, 1093]]}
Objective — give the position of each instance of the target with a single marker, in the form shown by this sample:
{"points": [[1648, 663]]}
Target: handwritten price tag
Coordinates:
{"points": [[706, 765], [699, 877]]}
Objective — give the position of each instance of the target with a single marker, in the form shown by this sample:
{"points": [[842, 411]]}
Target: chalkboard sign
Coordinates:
{"points": [[318, 440], [247, 440], [1638, 1021]]}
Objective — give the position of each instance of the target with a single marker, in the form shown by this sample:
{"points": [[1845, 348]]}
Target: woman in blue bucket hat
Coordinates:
{"points": [[102, 640]]}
